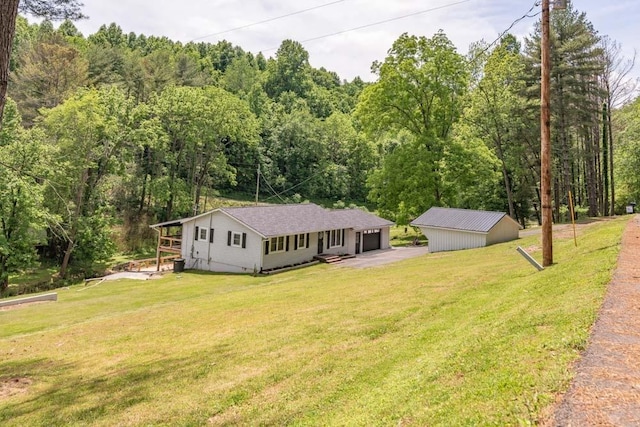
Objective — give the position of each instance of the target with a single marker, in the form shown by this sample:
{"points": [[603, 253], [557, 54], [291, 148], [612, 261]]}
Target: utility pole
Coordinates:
{"points": [[258, 184], [545, 140], [545, 133]]}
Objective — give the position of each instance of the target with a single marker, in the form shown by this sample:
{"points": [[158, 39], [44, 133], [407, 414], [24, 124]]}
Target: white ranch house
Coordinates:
{"points": [[455, 229], [262, 238]]}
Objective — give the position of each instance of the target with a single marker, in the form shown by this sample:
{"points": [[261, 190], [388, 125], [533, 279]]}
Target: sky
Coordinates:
{"points": [[349, 53]]}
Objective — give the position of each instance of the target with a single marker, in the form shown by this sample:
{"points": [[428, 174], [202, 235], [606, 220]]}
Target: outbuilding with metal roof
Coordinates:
{"points": [[449, 229]]}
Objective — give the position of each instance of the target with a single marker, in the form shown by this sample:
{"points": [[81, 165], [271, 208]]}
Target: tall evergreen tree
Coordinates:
{"points": [[575, 105], [50, 71]]}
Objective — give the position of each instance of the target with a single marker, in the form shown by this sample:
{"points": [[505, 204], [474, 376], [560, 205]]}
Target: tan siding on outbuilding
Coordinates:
{"points": [[504, 231]]}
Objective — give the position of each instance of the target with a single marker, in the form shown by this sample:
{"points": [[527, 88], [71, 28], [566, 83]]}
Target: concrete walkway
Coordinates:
{"points": [[384, 256], [134, 275]]}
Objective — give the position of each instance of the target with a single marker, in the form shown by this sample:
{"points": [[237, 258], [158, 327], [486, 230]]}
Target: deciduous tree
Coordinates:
{"points": [[419, 90], [89, 131], [24, 164], [289, 72], [195, 125], [627, 154], [496, 113], [50, 9], [620, 88]]}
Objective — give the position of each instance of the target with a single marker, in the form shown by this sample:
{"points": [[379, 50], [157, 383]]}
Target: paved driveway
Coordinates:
{"points": [[605, 389], [384, 256]]}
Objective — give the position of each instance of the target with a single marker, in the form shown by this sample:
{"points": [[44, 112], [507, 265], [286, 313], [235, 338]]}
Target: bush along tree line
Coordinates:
{"points": [[125, 130]]}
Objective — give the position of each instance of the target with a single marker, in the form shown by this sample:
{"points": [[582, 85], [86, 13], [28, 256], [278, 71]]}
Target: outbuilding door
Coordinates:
{"points": [[371, 240]]}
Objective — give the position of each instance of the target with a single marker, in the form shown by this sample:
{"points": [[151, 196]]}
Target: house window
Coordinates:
{"points": [[203, 234], [302, 243], [236, 239], [277, 244], [335, 238]]}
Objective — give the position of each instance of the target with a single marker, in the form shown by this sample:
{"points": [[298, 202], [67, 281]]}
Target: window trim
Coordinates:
{"points": [[277, 244], [335, 238], [235, 234], [203, 234], [301, 241]]}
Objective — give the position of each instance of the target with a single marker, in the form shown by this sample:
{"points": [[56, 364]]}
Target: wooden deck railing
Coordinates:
{"points": [[139, 264], [170, 244]]}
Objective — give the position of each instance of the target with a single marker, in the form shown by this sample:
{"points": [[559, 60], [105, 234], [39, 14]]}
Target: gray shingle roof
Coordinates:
{"points": [[459, 219], [358, 219], [278, 220]]}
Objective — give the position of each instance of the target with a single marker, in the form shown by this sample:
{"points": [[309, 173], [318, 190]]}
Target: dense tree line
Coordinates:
{"points": [[130, 129]]}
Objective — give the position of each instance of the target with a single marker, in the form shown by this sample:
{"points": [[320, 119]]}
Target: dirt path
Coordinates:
{"points": [[606, 388]]}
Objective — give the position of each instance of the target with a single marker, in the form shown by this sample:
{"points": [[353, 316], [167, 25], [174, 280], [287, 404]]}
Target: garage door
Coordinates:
{"points": [[371, 240]]}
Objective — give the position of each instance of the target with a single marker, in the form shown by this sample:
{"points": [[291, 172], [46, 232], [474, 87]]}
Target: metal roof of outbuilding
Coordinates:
{"points": [[459, 219]]}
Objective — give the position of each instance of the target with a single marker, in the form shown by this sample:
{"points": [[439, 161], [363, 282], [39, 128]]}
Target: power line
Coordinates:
{"points": [[295, 186], [271, 188], [242, 27], [526, 15], [397, 18]]}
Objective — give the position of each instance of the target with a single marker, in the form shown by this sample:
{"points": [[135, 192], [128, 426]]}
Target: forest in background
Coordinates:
{"points": [[127, 130]]}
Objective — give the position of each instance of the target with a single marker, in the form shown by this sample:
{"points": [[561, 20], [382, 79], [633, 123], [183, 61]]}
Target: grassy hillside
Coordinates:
{"points": [[476, 337]]}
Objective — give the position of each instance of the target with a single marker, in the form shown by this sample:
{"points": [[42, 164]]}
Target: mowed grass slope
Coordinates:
{"points": [[475, 337]]}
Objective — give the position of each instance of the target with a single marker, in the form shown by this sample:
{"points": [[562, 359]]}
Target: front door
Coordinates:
{"points": [[357, 243], [320, 242]]}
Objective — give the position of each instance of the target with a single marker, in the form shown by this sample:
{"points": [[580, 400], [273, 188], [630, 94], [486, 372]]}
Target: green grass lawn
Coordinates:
{"points": [[476, 337], [400, 235]]}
